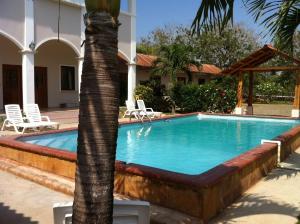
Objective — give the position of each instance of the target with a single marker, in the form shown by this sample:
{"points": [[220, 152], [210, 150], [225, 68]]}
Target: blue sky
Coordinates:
{"points": [[156, 13]]}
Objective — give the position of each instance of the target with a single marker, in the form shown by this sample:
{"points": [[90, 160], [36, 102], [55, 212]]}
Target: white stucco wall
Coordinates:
{"points": [[46, 17], [46, 22], [12, 56], [12, 19], [124, 34], [51, 55], [144, 75]]}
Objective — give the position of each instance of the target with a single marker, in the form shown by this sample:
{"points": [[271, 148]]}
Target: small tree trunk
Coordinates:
{"points": [[98, 122], [189, 75]]}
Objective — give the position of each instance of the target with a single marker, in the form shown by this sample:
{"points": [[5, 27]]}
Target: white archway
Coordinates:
{"points": [[53, 56], [12, 39], [67, 42], [10, 60], [124, 55]]}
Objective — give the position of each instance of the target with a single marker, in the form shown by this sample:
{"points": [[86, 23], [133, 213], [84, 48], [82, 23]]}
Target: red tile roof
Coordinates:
{"points": [[146, 61], [257, 58], [205, 68]]}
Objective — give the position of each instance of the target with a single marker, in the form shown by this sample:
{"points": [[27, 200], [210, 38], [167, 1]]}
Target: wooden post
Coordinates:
{"points": [[250, 94], [240, 90], [296, 105], [238, 109]]}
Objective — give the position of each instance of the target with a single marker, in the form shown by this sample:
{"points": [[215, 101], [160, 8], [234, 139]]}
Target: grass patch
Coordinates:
{"points": [[121, 111], [274, 102], [2, 118], [298, 219]]}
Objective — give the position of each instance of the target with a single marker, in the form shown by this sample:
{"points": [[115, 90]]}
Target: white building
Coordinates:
{"points": [[35, 66]]}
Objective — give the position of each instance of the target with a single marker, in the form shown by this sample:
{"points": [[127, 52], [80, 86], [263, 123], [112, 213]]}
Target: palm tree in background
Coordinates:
{"points": [[174, 58], [280, 18], [98, 115]]}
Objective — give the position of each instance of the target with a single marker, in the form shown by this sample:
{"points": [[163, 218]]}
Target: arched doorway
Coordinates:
{"points": [[10, 72], [56, 74]]}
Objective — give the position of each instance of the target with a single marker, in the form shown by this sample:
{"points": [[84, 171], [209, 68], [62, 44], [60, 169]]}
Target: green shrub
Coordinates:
{"points": [[145, 93], [268, 89], [153, 97], [2, 118], [207, 98], [187, 97]]}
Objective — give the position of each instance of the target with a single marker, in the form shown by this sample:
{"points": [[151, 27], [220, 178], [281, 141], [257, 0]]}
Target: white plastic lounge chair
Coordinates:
{"points": [[125, 212], [14, 119], [131, 110], [148, 112], [33, 115]]}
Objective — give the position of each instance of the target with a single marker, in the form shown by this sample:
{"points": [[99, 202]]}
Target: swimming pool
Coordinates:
{"points": [[201, 192], [189, 145]]}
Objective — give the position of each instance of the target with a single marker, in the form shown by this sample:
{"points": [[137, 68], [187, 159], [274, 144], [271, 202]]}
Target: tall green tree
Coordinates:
{"points": [[280, 18], [160, 36], [224, 49], [98, 115]]}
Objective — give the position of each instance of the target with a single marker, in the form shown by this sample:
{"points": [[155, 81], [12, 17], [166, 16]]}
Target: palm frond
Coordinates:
{"points": [[213, 14], [173, 59], [280, 18]]}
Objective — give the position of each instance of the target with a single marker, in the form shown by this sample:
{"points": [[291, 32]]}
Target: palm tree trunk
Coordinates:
{"points": [[98, 122]]}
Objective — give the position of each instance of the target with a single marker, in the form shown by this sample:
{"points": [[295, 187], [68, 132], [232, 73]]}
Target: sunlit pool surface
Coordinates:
{"points": [[189, 145]]}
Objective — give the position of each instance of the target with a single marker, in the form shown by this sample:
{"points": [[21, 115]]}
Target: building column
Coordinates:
{"points": [[80, 64], [82, 38], [250, 94], [239, 107], [132, 62], [28, 54], [131, 82], [28, 77], [296, 105]]}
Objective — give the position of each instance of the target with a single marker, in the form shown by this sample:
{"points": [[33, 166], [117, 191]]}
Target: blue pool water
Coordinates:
{"points": [[189, 145]]}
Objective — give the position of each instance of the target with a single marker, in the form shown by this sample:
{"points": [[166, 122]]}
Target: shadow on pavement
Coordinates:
{"points": [[256, 205], [10, 216]]}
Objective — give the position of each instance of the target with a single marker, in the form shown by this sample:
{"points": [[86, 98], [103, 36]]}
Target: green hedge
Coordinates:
{"points": [[207, 98], [267, 90]]}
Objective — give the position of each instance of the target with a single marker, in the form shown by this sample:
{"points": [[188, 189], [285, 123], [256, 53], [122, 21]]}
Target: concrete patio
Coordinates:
{"points": [[25, 202], [68, 117], [275, 199]]}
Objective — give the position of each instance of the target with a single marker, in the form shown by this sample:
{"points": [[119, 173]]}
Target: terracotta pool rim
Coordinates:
{"points": [[205, 179]]}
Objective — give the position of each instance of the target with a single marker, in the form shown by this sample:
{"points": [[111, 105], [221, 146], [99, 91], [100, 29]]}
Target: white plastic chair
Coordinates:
{"points": [[15, 119], [33, 114], [125, 212], [148, 112], [131, 110]]}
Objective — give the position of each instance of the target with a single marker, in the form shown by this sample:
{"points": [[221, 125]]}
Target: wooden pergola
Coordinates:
{"points": [[251, 65]]}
